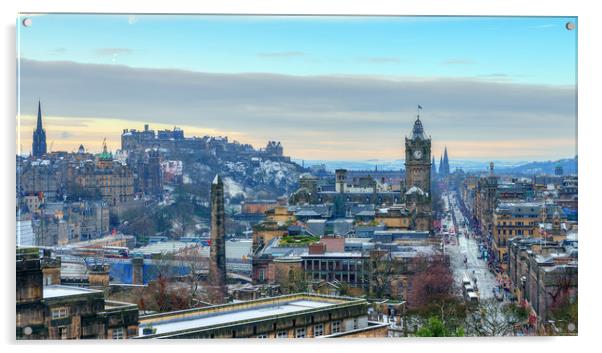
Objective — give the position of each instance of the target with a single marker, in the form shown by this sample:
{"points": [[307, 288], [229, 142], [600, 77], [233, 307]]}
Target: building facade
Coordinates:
{"points": [[46, 310], [417, 192], [289, 316]]}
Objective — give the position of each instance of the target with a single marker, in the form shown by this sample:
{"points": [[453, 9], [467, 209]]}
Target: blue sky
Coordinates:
{"points": [[327, 87], [526, 50]]}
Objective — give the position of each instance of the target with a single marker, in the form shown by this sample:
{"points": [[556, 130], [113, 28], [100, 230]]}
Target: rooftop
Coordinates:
{"points": [[233, 313], [56, 291]]}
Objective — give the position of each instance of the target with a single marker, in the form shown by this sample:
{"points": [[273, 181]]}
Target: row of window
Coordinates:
{"points": [[318, 330], [59, 313], [517, 232], [518, 223], [335, 265]]}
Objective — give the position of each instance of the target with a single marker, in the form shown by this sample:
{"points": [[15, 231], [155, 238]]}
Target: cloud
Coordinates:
{"points": [[281, 54], [303, 111], [458, 61], [112, 51]]}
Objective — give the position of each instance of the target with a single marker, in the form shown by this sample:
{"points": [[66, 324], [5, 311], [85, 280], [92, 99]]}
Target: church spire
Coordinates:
{"points": [[39, 125], [445, 162], [38, 146]]}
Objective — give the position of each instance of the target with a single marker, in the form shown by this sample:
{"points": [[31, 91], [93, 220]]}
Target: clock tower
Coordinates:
{"points": [[418, 160]]}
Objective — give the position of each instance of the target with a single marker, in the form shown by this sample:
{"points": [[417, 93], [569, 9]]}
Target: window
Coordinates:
{"points": [[59, 313], [300, 333], [62, 332], [282, 334], [318, 330], [118, 333], [262, 336], [336, 326], [355, 324]]}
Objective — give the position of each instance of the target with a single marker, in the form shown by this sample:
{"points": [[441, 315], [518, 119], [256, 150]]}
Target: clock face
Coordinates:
{"points": [[417, 154]]}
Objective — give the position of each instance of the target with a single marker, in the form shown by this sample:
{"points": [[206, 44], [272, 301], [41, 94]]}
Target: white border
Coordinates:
{"points": [[589, 141]]}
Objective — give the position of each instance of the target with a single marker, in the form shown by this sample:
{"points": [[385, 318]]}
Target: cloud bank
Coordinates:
{"points": [[307, 112]]}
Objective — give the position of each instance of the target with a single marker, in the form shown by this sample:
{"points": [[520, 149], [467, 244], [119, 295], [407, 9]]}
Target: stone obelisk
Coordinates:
{"points": [[217, 261]]}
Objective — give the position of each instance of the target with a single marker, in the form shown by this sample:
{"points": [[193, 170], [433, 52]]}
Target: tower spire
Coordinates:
{"points": [[39, 124], [418, 130], [38, 145], [445, 162]]}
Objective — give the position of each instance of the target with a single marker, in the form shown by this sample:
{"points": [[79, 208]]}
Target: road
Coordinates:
{"points": [[460, 247]]}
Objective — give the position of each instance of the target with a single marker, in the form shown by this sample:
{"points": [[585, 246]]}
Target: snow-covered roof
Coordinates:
{"points": [[56, 291], [207, 318]]}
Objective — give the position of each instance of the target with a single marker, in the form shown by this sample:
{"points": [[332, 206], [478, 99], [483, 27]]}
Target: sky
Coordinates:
{"points": [[338, 88]]}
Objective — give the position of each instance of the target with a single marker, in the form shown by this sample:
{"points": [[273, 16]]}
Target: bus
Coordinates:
{"points": [[116, 252], [472, 299], [105, 251]]}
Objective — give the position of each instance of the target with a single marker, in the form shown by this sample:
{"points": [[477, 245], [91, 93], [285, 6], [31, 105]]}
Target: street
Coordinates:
{"points": [[460, 247]]}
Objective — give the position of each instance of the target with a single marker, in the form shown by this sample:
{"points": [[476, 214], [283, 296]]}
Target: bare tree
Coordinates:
{"points": [[291, 280], [491, 318], [381, 268], [432, 282], [195, 263]]}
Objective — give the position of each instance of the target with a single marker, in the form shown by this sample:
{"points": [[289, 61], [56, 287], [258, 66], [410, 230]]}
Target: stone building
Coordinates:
{"points": [[46, 310], [418, 159], [485, 201], [288, 316], [43, 178], [543, 274], [364, 189], [148, 176], [107, 179], [530, 219], [417, 191]]}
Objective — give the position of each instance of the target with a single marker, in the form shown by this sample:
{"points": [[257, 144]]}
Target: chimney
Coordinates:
{"points": [[317, 249], [137, 270], [98, 276]]}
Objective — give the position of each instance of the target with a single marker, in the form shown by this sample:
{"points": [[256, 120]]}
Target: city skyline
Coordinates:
{"points": [[480, 108]]}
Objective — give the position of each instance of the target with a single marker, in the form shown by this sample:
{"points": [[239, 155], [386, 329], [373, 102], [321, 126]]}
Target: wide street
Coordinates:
{"points": [[460, 246]]}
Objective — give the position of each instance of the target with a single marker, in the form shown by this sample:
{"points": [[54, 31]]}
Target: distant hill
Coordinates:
{"points": [[569, 166]]}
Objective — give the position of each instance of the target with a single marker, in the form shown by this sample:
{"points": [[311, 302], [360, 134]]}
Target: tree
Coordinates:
{"points": [[566, 318], [565, 288], [195, 263], [492, 318], [292, 280], [436, 328], [380, 268], [432, 281], [431, 294]]}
